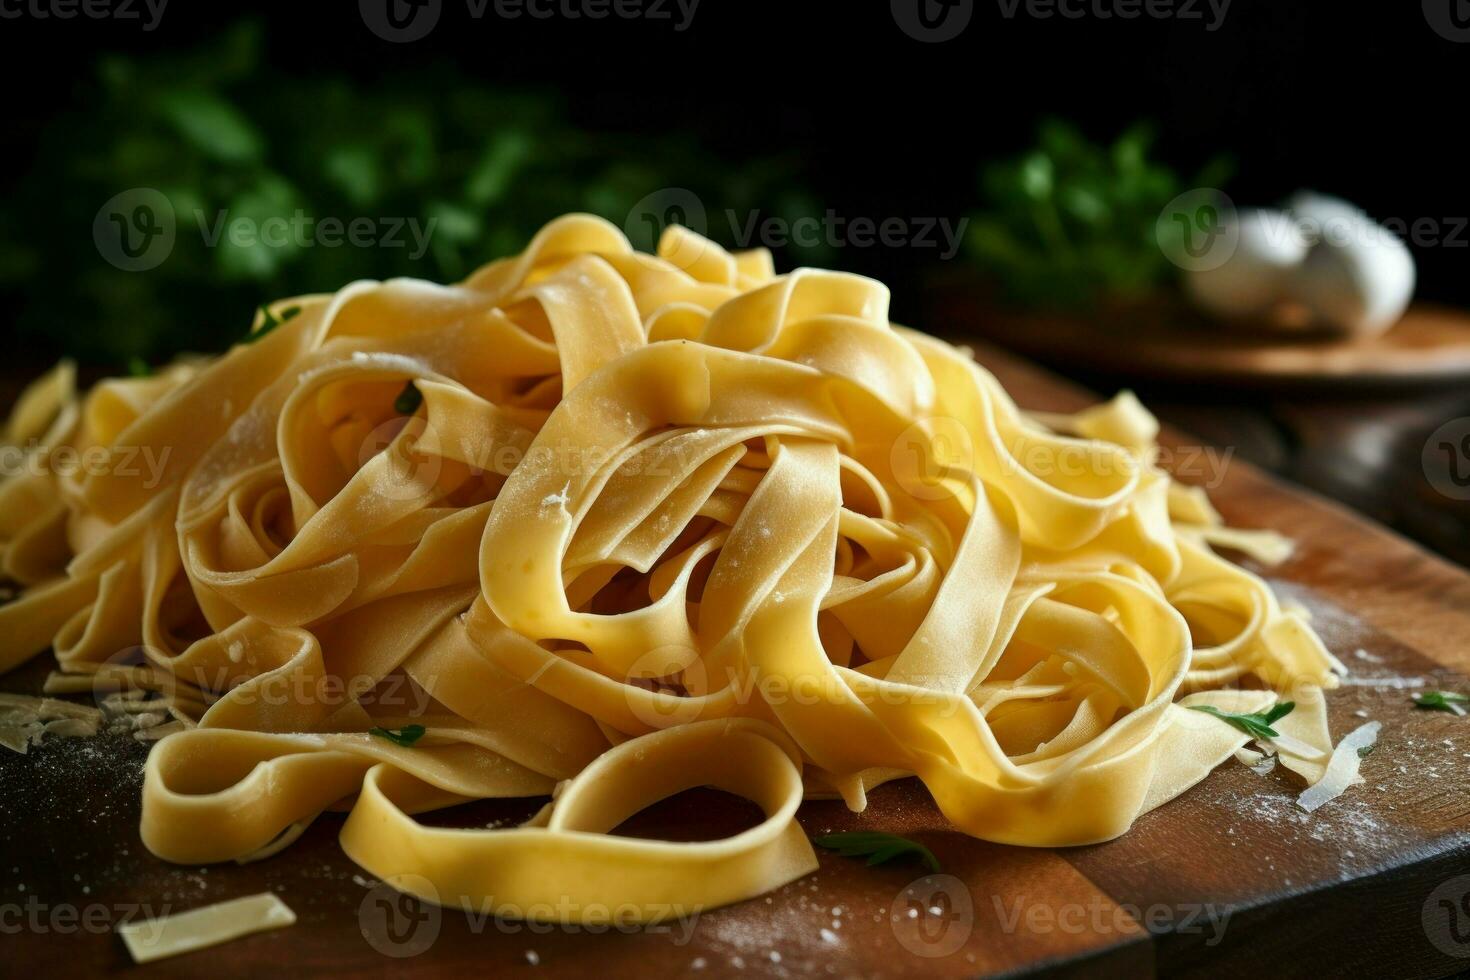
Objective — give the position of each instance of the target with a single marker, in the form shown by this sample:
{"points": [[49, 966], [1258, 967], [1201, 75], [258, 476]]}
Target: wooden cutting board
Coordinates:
{"points": [[1167, 341], [1231, 878]]}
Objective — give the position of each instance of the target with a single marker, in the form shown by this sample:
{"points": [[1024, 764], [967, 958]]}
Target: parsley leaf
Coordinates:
{"points": [[405, 736], [1441, 701], [408, 400], [1257, 724], [877, 847], [138, 368], [269, 322]]}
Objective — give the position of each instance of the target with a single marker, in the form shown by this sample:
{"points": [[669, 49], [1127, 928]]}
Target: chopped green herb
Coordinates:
{"points": [[408, 400], [1366, 751], [877, 847], [138, 368], [405, 736], [1257, 724], [1441, 701], [269, 322]]}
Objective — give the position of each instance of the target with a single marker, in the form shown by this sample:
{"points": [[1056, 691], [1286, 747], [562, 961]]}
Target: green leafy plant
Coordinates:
{"points": [[1257, 724], [1072, 222], [878, 848]]}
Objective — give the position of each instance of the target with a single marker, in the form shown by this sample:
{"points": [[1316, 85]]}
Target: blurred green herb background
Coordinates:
{"points": [[220, 133], [1072, 222], [224, 135]]}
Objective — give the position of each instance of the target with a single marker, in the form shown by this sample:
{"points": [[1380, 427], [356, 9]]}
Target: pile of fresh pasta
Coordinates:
{"points": [[602, 527]]}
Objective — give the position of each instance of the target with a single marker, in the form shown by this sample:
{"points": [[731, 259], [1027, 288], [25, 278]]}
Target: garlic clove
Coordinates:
{"points": [[1361, 287], [1358, 276], [1255, 278]]}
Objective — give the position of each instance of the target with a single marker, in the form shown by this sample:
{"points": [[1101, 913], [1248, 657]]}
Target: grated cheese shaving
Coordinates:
{"points": [[1342, 768], [154, 939]]}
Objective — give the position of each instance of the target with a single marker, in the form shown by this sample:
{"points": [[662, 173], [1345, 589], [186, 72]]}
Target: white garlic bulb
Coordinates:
{"points": [[1269, 249], [1322, 255], [1358, 276]]}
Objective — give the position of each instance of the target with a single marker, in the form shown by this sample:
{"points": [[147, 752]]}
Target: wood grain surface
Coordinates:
{"points": [[1229, 879], [1169, 341]]}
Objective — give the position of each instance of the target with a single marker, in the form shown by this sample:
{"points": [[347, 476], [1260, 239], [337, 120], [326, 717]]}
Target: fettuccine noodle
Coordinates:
{"points": [[645, 523]]}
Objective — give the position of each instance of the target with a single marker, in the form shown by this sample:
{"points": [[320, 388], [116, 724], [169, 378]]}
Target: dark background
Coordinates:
{"points": [[1362, 100]]}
